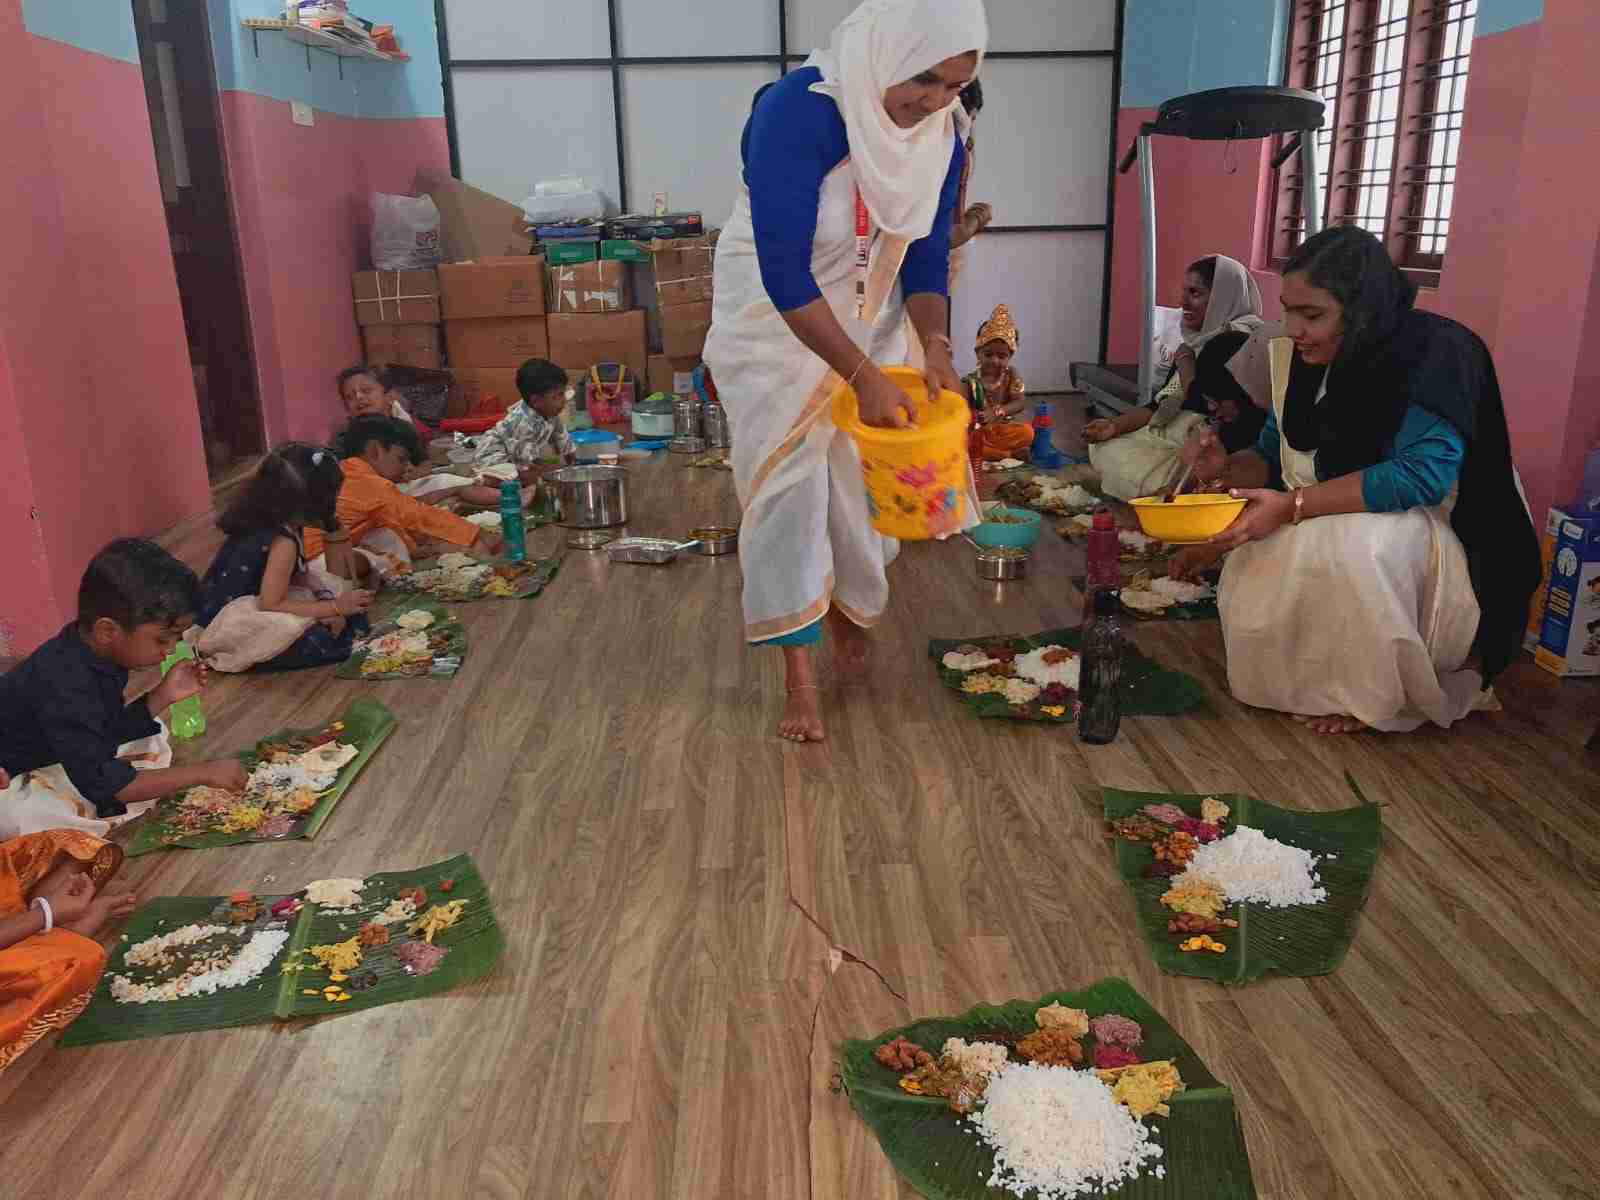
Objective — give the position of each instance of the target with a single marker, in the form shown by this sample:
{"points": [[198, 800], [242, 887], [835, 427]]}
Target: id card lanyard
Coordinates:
{"points": [[863, 254]]}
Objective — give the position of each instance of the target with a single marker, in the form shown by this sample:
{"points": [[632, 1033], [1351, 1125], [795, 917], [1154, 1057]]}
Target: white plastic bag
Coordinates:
{"points": [[405, 232], [568, 198]]}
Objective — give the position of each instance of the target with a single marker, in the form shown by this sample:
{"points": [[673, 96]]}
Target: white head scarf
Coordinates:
{"points": [[884, 42], [1235, 304]]}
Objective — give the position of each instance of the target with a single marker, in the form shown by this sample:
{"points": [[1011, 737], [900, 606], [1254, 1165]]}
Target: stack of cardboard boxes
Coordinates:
{"points": [[398, 312], [592, 318], [494, 321]]}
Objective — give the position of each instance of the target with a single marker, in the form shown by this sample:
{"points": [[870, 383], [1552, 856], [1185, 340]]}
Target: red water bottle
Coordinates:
{"points": [[1105, 565]]}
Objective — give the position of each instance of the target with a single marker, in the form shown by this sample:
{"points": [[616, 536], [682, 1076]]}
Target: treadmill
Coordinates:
{"points": [[1218, 115]]}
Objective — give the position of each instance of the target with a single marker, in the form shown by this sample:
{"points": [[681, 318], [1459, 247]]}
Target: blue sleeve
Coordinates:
{"points": [[1424, 466], [927, 265], [1267, 445], [795, 137]]}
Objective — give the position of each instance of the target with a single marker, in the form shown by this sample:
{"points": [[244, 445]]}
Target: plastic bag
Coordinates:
{"points": [[566, 199], [1168, 337], [405, 232]]}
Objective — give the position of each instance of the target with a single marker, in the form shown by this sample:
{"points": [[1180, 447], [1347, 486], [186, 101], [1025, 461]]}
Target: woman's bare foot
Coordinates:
{"points": [[1331, 724], [102, 910], [851, 647], [802, 713]]}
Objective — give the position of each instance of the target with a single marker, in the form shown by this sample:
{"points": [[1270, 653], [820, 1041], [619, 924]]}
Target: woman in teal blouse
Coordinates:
{"points": [[1386, 542]]}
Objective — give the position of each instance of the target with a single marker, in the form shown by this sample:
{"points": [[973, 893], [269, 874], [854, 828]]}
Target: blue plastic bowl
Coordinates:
{"points": [[1021, 536]]}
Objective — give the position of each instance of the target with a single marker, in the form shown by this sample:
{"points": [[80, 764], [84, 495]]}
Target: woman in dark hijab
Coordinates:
{"points": [[1386, 542]]}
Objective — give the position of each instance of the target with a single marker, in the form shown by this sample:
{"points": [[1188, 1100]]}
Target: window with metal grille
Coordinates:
{"points": [[1394, 76]]}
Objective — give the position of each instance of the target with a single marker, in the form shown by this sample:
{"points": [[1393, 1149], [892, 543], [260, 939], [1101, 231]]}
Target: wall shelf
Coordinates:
{"points": [[314, 39]]}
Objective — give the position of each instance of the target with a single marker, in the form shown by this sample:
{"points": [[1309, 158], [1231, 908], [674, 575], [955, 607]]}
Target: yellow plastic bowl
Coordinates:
{"points": [[1190, 518], [917, 478]]}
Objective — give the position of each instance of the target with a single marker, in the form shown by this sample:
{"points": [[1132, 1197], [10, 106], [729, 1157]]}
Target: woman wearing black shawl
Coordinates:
{"points": [[1386, 542]]}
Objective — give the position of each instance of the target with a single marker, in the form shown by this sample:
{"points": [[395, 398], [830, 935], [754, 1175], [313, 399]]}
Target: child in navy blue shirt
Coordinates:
{"points": [[68, 737]]}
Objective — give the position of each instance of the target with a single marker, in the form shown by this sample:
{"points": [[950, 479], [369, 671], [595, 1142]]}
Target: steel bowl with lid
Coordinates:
{"points": [[590, 497]]}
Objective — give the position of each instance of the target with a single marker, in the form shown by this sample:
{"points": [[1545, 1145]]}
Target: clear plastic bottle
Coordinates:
{"points": [[1100, 673], [512, 532], [1104, 572], [185, 719]]}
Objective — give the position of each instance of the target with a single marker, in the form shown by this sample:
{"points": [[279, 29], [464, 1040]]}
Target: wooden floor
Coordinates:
{"points": [[696, 914]]}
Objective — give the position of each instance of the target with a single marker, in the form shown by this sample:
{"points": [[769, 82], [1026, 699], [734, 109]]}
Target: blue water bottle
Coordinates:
{"points": [[511, 529], [185, 719]]}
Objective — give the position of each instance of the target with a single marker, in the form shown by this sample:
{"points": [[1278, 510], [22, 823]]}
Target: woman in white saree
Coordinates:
{"points": [[1380, 576], [835, 260]]}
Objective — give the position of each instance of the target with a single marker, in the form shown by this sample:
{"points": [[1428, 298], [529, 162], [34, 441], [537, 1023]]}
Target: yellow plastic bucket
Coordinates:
{"points": [[916, 478]]}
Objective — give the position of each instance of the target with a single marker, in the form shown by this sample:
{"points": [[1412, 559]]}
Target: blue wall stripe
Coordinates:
{"points": [[1171, 47], [1497, 16], [93, 25]]}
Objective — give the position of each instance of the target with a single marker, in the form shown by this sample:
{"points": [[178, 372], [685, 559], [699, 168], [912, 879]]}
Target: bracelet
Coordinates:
{"points": [[865, 359], [49, 914], [1299, 503]]}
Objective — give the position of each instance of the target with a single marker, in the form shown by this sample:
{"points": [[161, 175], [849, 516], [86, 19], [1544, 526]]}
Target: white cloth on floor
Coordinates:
{"points": [[47, 799]]}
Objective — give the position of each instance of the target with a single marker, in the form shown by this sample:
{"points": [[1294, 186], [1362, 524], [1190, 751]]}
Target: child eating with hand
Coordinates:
{"points": [[79, 756], [366, 393], [531, 428], [375, 516]]}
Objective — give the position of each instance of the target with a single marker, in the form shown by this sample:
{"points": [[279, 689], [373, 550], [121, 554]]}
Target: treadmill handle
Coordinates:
{"points": [[1128, 159]]}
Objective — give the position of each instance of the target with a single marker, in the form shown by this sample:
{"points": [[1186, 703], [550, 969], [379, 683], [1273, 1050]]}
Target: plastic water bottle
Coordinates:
{"points": [[1100, 673], [185, 719], [511, 528], [1105, 562]]}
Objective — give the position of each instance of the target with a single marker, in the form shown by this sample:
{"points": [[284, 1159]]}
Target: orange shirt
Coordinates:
{"points": [[368, 501]]}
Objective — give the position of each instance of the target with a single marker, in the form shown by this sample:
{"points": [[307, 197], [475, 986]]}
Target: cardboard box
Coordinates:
{"points": [[472, 223], [562, 253], [688, 260], [1569, 642], [642, 228], [1547, 556], [579, 340], [403, 345], [396, 297], [493, 287], [480, 389], [683, 291], [496, 341], [619, 250], [589, 287], [684, 328], [659, 376]]}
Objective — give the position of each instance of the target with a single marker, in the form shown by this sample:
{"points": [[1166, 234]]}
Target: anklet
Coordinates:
{"points": [[800, 687]]}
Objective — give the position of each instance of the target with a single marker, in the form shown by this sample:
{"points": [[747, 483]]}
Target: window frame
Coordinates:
{"points": [[1424, 71]]}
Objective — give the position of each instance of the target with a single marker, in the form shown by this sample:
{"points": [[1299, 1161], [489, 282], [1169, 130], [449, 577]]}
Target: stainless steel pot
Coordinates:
{"points": [[715, 540], [1001, 566], [590, 497]]}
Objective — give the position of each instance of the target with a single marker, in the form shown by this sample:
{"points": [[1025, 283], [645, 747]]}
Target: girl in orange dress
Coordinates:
{"points": [[51, 907], [995, 390]]}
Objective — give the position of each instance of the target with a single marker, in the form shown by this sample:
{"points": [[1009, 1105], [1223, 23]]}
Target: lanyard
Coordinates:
{"points": [[863, 255]]}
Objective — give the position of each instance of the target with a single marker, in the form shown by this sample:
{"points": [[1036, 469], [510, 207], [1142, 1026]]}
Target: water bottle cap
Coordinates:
{"points": [[510, 487], [1103, 520], [1107, 604]]}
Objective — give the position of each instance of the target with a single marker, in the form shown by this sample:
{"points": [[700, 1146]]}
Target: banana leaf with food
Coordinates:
{"points": [[292, 985], [1193, 610], [1203, 1147], [499, 579], [445, 635], [1297, 940], [174, 824], [1148, 688]]}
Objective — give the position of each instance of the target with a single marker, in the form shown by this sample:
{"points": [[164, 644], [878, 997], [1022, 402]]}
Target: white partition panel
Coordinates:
{"points": [[516, 126], [527, 29], [1053, 285], [1042, 141], [652, 29], [1013, 24], [681, 127]]}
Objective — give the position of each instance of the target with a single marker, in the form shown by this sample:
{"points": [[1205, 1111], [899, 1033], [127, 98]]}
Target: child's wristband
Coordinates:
{"points": [[43, 906]]}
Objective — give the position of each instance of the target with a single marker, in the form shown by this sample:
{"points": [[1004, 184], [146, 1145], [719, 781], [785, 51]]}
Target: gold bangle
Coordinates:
{"points": [[1299, 503], [865, 359]]}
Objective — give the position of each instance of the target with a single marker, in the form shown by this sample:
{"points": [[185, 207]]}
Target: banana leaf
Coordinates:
{"points": [[1202, 1142], [474, 944], [449, 634], [1301, 940], [1200, 610], [532, 578], [367, 723], [1148, 688]]}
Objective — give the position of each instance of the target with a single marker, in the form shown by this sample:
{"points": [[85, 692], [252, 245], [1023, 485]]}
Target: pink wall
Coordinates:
{"points": [[301, 195], [1523, 268], [97, 397]]}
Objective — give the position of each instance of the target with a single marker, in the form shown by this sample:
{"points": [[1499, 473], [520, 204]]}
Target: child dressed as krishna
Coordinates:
{"points": [[995, 390]]}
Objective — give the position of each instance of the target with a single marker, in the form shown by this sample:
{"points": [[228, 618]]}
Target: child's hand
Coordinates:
{"points": [[348, 604], [187, 678], [5, 780], [1099, 431], [334, 625], [226, 773], [69, 898]]}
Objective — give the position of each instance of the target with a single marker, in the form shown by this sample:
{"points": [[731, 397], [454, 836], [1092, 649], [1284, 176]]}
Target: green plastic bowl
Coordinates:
{"points": [[1021, 536]]}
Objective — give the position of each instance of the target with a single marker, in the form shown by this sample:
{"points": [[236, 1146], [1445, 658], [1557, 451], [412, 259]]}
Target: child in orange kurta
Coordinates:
{"points": [[51, 907]]}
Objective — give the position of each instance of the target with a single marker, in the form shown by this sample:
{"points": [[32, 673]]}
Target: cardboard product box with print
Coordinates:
{"points": [[1569, 640]]}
